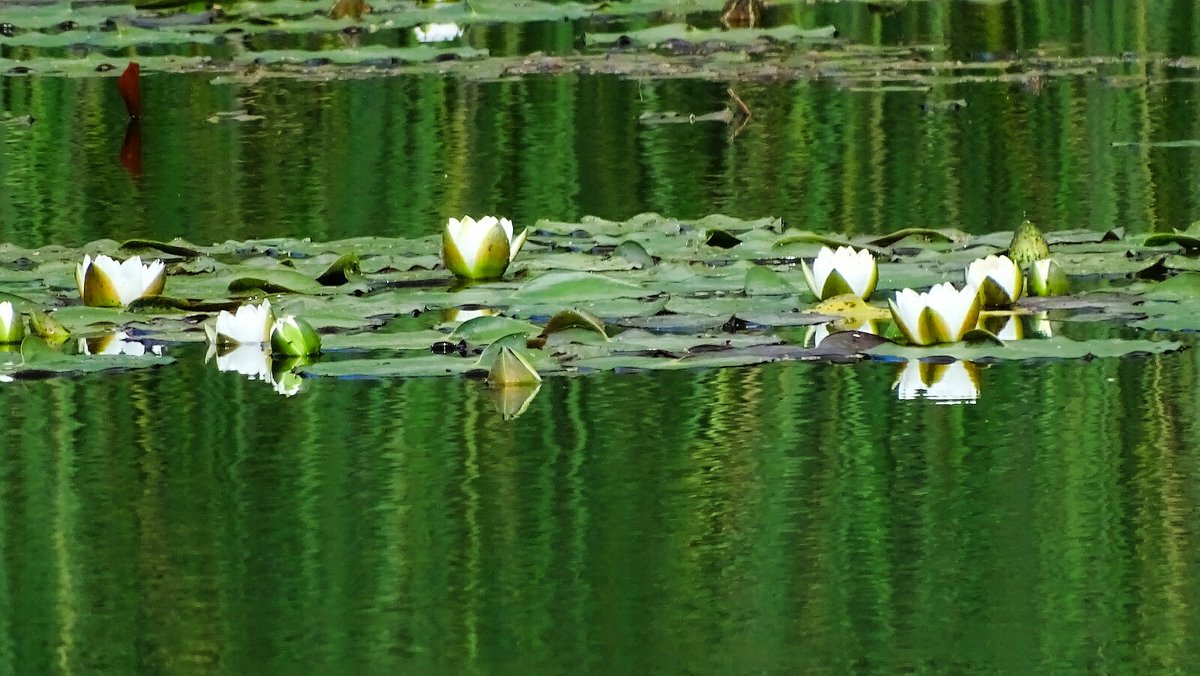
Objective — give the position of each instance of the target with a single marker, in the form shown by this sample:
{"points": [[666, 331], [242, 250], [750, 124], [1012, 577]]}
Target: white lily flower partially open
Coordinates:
{"points": [[941, 315], [480, 249], [836, 273], [953, 383], [999, 280], [250, 325], [103, 282], [438, 32], [1047, 278], [12, 327]]}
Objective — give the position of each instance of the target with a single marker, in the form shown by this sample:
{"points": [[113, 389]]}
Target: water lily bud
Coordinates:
{"points": [[999, 280], [104, 282], [48, 328], [941, 315], [1027, 245], [12, 327], [1047, 278], [250, 325], [480, 249], [294, 337], [512, 368], [845, 271]]}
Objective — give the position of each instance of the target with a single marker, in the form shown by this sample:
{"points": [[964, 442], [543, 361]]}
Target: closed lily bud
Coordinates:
{"points": [[294, 337], [1047, 278]]}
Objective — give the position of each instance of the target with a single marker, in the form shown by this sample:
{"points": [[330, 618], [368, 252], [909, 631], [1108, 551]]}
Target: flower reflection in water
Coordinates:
{"points": [[954, 383]]}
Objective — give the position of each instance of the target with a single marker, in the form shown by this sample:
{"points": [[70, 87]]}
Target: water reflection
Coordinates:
{"points": [[1017, 325], [796, 518], [956, 382], [257, 364], [438, 32], [513, 400], [561, 148], [819, 332], [112, 343]]}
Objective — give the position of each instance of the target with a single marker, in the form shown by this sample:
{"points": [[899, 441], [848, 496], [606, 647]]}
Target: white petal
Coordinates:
{"points": [[856, 268], [508, 228], [468, 235], [910, 304], [1000, 268], [822, 265], [952, 305]]}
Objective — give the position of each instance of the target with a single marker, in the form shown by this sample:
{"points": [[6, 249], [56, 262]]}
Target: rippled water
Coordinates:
{"points": [[800, 518], [772, 519]]}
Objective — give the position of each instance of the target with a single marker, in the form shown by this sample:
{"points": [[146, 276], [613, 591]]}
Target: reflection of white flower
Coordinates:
{"points": [[953, 383], [1039, 324], [1012, 329], [251, 361], [103, 282], [111, 343], [251, 325], [480, 249], [12, 327], [999, 280], [941, 315], [835, 273], [459, 315], [438, 32]]}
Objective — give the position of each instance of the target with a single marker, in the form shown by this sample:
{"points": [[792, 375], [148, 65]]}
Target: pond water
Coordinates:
{"points": [[1023, 517]]}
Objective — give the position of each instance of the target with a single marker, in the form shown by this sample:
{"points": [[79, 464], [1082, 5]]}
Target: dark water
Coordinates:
{"points": [[797, 519], [398, 155], [782, 519]]}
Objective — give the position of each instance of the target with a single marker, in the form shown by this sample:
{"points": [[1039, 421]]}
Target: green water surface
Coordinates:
{"points": [[782, 519]]}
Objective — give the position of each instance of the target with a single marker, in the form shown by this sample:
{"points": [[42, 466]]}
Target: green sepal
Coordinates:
{"points": [[294, 337], [98, 289]]}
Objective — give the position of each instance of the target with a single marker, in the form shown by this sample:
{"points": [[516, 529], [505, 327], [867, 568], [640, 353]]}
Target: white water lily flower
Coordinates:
{"points": [[459, 315], [103, 282], [953, 383], [999, 280], [438, 32], [1013, 329], [480, 249], [1047, 278], [835, 273], [251, 325], [111, 344], [941, 315], [12, 327]]}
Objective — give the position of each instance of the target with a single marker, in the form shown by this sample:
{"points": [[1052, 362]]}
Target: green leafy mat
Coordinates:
{"points": [[575, 301]]}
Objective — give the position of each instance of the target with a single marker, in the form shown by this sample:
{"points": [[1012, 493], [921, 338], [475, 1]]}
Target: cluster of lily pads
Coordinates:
{"points": [[650, 293]]}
